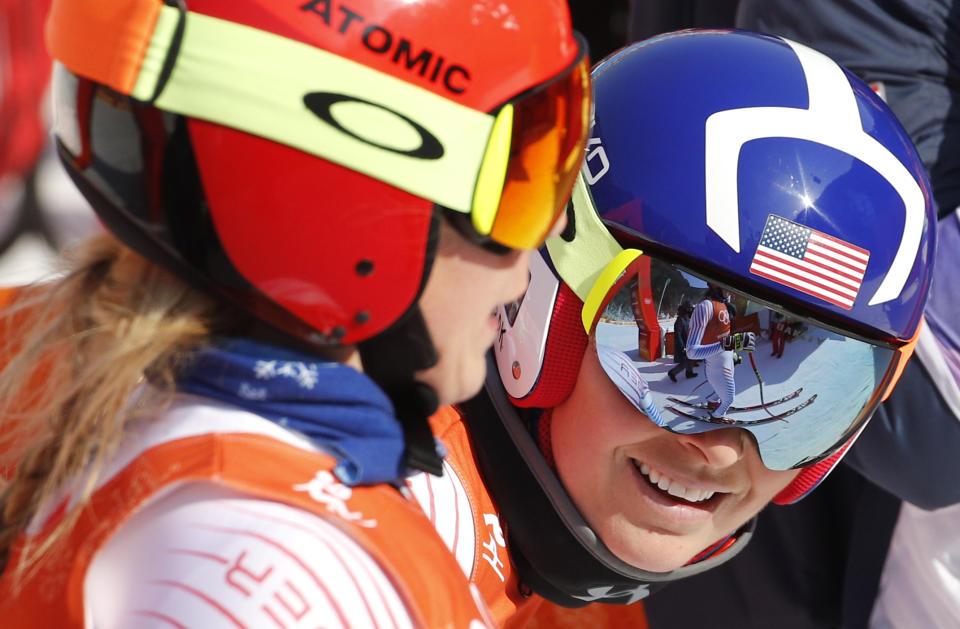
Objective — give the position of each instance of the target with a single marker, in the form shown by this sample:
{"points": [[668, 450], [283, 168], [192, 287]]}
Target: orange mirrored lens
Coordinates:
{"points": [[550, 130]]}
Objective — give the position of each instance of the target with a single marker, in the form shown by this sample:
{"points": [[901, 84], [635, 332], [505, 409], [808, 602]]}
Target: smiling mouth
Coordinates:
{"points": [[676, 491]]}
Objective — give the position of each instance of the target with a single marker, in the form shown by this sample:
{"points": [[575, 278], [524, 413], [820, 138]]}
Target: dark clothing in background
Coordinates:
{"points": [[681, 328], [912, 46], [648, 18]]}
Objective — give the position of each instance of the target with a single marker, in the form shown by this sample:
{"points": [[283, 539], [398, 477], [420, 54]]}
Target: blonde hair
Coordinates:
{"points": [[89, 340]]}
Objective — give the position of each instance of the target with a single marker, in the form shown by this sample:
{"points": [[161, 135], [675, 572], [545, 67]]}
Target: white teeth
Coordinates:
{"points": [[654, 475], [673, 488], [678, 490]]}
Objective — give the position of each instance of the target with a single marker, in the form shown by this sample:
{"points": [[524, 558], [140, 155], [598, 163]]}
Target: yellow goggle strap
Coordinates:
{"points": [[493, 173], [254, 81], [591, 258]]}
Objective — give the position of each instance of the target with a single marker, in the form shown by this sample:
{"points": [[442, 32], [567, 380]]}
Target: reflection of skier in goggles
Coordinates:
{"points": [[710, 340]]}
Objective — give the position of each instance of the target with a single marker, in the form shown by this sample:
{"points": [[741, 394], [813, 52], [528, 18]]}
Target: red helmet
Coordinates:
{"points": [[294, 156]]}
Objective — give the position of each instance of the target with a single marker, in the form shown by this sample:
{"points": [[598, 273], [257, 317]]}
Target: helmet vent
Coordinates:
{"points": [[364, 267]]}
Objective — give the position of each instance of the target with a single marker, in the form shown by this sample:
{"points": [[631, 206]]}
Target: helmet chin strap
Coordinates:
{"points": [[391, 358]]}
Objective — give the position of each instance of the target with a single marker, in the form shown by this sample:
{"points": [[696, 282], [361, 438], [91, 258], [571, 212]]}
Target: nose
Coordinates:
{"points": [[719, 448]]}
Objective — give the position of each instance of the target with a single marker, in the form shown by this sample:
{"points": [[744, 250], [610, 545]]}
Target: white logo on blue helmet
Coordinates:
{"points": [[832, 119], [595, 153]]}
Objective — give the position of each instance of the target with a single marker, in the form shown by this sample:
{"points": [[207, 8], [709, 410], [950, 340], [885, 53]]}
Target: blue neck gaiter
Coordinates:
{"points": [[338, 407]]}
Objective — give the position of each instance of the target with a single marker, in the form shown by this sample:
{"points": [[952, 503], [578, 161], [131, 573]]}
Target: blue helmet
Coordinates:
{"points": [[715, 152], [757, 126]]}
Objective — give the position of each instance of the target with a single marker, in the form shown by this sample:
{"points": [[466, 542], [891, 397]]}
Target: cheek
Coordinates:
{"points": [[768, 483], [580, 458], [573, 448], [579, 430], [588, 431], [458, 301], [596, 416], [448, 307]]}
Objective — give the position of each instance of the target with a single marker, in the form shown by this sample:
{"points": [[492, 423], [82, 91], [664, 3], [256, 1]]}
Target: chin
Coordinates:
{"points": [[656, 562], [667, 555], [457, 385], [466, 388]]}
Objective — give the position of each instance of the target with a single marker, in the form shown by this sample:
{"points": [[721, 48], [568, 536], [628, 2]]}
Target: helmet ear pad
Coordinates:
{"points": [[326, 250], [566, 344]]}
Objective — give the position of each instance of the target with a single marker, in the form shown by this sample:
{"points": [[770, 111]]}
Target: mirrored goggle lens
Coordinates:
{"points": [[802, 393], [549, 134]]}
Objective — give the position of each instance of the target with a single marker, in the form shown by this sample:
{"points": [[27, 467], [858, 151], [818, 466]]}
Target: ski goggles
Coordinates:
{"points": [[510, 171], [802, 394]]}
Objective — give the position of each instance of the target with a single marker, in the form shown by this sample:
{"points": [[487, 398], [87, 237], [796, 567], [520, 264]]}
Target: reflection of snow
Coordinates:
{"points": [[843, 373]]}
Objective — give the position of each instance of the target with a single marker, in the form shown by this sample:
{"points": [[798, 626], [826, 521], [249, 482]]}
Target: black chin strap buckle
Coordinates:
{"points": [[391, 359]]}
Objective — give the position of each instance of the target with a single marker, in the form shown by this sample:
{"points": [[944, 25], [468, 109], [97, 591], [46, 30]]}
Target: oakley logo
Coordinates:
{"points": [[833, 120], [322, 105]]}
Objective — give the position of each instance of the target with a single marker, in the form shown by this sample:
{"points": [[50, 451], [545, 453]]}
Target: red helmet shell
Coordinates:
{"points": [[337, 248]]}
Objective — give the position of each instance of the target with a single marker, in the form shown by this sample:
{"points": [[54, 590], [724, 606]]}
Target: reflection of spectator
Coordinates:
{"points": [[778, 333], [681, 328]]}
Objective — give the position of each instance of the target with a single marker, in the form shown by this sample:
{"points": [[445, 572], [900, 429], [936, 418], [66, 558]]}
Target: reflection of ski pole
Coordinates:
{"points": [[753, 364], [702, 382]]}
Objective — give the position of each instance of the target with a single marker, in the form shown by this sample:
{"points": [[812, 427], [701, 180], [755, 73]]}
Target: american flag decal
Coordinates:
{"points": [[810, 261]]}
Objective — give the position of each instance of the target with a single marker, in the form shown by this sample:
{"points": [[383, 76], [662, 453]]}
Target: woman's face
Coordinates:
{"points": [[611, 458], [465, 285]]}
